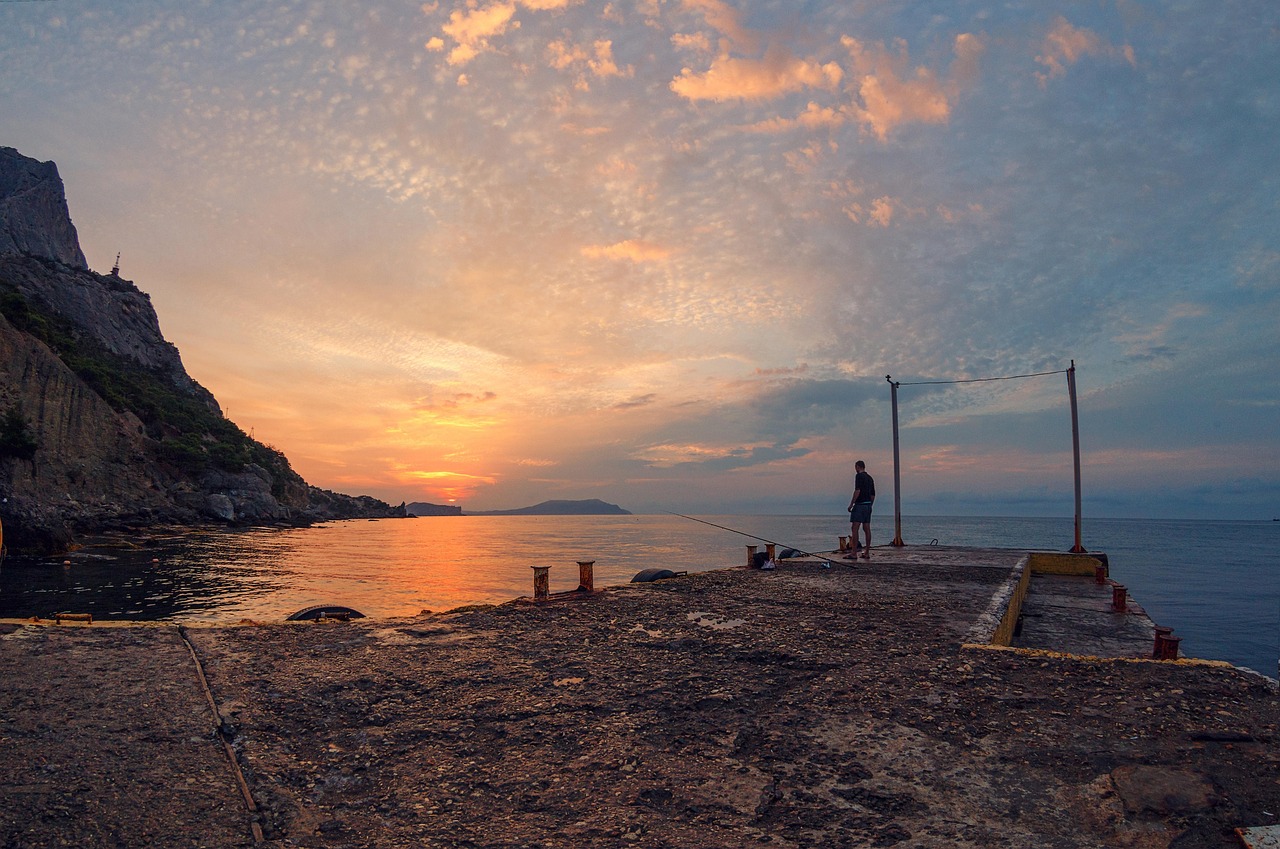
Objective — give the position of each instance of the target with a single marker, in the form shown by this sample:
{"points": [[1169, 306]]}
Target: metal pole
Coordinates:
{"points": [[897, 469], [1078, 548]]}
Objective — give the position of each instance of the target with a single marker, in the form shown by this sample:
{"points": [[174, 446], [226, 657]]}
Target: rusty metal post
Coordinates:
{"points": [[541, 583], [1162, 633], [1075, 447], [844, 543], [897, 472], [751, 555], [1168, 647], [771, 549], [1100, 574], [586, 575], [1119, 598]]}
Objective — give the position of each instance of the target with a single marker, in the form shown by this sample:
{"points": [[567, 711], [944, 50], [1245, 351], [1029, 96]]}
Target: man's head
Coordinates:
{"points": [[860, 466]]}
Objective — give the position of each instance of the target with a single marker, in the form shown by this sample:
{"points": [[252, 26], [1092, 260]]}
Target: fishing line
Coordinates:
{"points": [[745, 534]]}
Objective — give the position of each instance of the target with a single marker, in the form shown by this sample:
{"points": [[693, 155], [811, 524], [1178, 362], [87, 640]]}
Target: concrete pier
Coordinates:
{"points": [[866, 705]]}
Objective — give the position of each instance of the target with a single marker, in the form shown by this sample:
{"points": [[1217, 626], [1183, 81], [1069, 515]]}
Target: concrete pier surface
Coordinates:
{"points": [[856, 705]]}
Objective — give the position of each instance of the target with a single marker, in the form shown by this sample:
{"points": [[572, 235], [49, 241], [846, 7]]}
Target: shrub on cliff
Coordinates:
{"points": [[16, 439], [192, 435]]}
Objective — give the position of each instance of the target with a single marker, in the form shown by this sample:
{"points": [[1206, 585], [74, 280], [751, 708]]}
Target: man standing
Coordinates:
{"points": [[864, 493]]}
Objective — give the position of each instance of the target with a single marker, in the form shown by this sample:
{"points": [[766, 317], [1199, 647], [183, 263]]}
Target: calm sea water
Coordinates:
{"points": [[1216, 583]]}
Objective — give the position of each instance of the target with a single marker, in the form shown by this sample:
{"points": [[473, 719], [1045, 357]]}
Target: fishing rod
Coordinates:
{"points": [[752, 536]]}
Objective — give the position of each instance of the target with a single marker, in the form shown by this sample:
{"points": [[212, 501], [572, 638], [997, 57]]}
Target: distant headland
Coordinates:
{"points": [[587, 507]]}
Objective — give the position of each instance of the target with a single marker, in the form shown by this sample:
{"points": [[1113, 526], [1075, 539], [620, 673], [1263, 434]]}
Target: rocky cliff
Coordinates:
{"points": [[100, 424], [33, 211]]}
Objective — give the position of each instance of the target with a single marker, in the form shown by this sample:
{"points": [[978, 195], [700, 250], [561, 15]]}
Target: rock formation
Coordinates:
{"points": [[33, 211], [100, 424]]}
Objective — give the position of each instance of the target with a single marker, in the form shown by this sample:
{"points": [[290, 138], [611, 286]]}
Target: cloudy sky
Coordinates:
{"points": [[665, 252]]}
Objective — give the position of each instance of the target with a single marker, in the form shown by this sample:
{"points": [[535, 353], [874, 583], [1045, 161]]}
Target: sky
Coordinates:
{"points": [[665, 252]]}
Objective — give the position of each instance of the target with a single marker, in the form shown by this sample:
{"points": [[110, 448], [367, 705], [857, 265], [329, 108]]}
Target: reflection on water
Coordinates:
{"points": [[381, 568], [1215, 583]]}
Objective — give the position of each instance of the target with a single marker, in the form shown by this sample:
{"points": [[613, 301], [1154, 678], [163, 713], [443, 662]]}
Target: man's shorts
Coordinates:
{"points": [[860, 513]]}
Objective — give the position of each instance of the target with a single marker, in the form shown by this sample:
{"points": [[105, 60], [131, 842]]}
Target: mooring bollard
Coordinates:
{"points": [[1167, 645], [586, 575], [771, 549], [1162, 633], [1119, 596], [751, 555], [1100, 574], [541, 582], [844, 544]]}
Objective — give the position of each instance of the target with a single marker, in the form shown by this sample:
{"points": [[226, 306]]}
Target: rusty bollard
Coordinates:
{"points": [[844, 544], [751, 555], [1100, 574], [586, 576], [771, 549], [1119, 598], [1167, 647], [541, 583], [1162, 633]]}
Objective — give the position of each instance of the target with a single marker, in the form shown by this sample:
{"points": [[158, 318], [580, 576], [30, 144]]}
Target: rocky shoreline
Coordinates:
{"points": [[804, 707]]}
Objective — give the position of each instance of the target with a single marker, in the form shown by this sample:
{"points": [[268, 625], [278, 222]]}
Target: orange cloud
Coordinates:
{"points": [[441, 485], [726, 20], [473, 29], [778, 73], [692, 41], [635, 250], [890, 94], [1067, 44], [603, 65], [887, 91], [882, 211], [812, 118], [599, 61]]}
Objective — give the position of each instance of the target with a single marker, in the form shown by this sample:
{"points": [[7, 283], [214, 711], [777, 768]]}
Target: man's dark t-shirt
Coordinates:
{"points": [[865, 486]]}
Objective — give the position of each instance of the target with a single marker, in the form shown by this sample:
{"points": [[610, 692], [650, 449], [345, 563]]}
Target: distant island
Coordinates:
{"points": [[423, 508], [588, 507]]}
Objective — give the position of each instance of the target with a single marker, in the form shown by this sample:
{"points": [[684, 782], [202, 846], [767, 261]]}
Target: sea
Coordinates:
{"points": [[1216, 583]]}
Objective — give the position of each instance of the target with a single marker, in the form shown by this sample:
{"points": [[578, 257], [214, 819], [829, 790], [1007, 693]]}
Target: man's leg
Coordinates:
{"points": [[866, 552]]}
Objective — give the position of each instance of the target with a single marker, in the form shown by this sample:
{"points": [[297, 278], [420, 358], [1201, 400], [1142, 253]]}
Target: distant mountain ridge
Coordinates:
{"points": [[101, 427], [588, 507]]}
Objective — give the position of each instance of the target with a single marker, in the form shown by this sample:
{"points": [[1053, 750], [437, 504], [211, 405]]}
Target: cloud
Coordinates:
{"points": [[882, 211], [778, 73], [639, 401], [597, 62], [814, 117], [1065, 44], [703, 457], [888, 93], [697, 42], [726, 20], [636, 250], [455, 400], [1153, 342], [473, 28]]}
